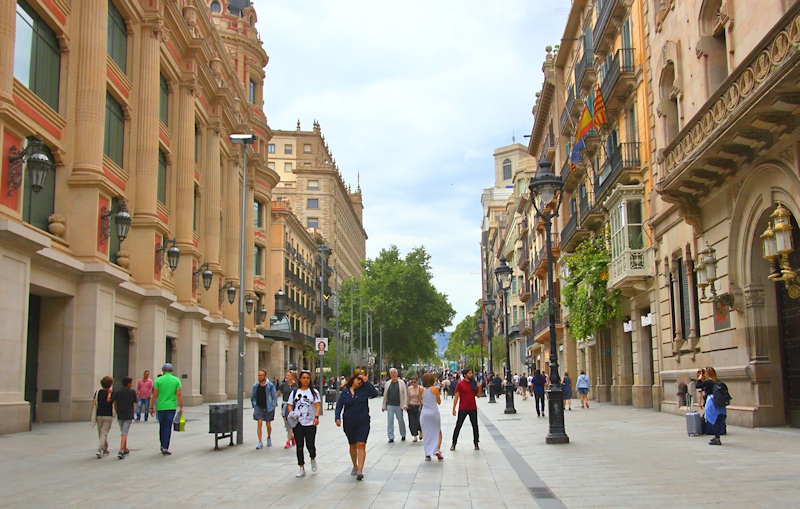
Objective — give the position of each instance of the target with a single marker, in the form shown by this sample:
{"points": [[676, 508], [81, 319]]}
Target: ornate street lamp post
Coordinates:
{"points": [[244, 140], [488, 309], [546, 187], [503, 275]]}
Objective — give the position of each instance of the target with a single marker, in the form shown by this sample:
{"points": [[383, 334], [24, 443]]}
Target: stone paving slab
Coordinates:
{"points": [[617, 457]]}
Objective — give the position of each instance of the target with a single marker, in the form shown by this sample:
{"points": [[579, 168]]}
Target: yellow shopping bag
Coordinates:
{"points": [[179, 422]]}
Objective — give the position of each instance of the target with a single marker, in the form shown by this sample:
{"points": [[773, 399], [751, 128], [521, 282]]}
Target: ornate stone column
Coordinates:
{"points": [[211, 208], [8, 31], [756, 324], [231, 222], [145, 225], [90, 87], [183, 212], [146, 172]]}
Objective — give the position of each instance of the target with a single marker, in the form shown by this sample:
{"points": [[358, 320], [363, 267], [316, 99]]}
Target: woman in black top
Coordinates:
{"points": [[105, 414], [354, 399]]}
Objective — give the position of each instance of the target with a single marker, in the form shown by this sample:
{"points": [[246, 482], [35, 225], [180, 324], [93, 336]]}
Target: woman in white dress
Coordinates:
{"points": [[429, 418]]}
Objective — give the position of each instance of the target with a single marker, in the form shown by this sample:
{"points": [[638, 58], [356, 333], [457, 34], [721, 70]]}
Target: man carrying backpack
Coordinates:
{"points": [[716, 403]]}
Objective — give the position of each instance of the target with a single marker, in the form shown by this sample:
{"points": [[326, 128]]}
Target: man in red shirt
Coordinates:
{"points": [[466, 392]]}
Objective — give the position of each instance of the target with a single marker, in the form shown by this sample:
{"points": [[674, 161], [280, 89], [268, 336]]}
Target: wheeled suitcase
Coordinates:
{"points": [[694, 424]]}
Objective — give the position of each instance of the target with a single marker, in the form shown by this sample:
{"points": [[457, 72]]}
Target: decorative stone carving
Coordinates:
{"points": [[753, 298], [190, 17], [751, 78], [56, 225], [123, 259]]}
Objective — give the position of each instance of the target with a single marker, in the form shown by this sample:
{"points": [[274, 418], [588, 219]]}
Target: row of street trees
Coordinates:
{"points": [[463, 349], [398, 292]]}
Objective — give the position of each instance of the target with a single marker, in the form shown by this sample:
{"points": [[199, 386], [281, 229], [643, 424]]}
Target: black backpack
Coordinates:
{"points": [[722, 397]]}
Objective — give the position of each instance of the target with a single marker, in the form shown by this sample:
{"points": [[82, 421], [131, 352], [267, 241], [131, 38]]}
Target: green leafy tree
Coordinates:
{"points": [[591, 305], [399, 291]]}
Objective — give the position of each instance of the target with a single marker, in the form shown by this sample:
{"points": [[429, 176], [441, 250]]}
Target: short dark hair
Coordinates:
{"points": [[106, 382], [127, 381]]}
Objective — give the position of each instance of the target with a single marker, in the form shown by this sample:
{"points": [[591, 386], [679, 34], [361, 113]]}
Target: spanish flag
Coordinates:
{"points": [[599, 108], [585, 124]]}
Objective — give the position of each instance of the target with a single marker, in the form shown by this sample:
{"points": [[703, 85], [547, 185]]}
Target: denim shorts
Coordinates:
{"points": [[262, 414], [581, 390]]}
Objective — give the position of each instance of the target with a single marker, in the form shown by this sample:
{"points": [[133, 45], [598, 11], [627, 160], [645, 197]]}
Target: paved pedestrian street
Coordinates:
{"points": [[617, 457]]}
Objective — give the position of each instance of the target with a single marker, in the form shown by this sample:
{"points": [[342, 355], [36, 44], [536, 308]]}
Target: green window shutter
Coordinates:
{"points": [[257, 260], [162, 178], [114, 142], [37, 207], [163, 101], [37, 55], [117, 37]]}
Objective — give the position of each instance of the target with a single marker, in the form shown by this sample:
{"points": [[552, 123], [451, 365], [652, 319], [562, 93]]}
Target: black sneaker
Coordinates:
{"points": [[403, 439], [477, 447], [391, 440], [453, 447], [121, 455]]}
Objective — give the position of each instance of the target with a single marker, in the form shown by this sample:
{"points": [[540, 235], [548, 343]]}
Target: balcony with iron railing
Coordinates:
{"points": [[523, 255], [590, 214], [565, 122], [619, 79], [541, 328], [620, 165], [549, 146], [525, 291], [584, 70], [604, 29], [525, 326], [540, 266]]}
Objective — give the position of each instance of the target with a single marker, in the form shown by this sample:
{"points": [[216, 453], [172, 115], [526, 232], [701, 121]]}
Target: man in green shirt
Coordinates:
{"points": [[165, 400]]}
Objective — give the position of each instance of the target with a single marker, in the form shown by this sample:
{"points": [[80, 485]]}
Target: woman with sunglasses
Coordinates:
{"points": [[354, 399], [305, 403]]}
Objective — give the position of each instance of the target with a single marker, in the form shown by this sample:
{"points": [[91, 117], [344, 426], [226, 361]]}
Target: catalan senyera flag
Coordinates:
{"points": [[585, 124], [599, 108]]}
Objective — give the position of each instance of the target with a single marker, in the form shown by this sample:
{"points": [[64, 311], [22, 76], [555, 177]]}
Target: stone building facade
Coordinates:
{"points": [[695, 170], [314, 187], [134, 102]]}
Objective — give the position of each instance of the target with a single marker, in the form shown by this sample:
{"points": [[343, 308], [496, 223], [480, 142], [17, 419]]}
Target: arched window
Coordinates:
{"points": [[216, 8], [507, 169], [714, 43], [668, 107]]}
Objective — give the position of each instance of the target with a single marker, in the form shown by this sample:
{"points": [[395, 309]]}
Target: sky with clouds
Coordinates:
{"points": [[415, 96]]}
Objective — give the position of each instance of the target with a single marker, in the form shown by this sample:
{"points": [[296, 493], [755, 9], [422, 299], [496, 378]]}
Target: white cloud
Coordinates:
{"points": [[415, 96]]}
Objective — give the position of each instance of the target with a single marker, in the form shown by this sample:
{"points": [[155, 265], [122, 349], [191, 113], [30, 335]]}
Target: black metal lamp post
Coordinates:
{"points": [[488, 309], [503, 275], [546, 186], [479, 323]]}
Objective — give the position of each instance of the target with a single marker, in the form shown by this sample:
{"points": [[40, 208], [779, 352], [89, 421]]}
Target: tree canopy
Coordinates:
{"points": [[399, 292]]}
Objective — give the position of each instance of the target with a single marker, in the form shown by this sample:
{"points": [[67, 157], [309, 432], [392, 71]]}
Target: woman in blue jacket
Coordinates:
{"points": [[354, 399]]}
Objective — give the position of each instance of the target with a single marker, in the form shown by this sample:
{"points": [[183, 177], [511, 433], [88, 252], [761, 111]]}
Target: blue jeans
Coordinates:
{"points": [[395, 412], [165, 418], [143, 402]]}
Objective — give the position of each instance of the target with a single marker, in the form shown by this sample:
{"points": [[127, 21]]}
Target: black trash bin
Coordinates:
{"points": [[330, 398], [222, 421]]}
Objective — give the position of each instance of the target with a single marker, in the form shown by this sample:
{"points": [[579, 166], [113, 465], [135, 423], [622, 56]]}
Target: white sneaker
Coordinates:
{"points": [[313, 465], [300, 473]]}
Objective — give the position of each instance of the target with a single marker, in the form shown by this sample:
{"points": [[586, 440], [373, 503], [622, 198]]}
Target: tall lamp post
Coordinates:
{"points": [[503, 275], [244, 140], [322, 250], [353, 288], [488, 309], [546, 186], [479, 323]]}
